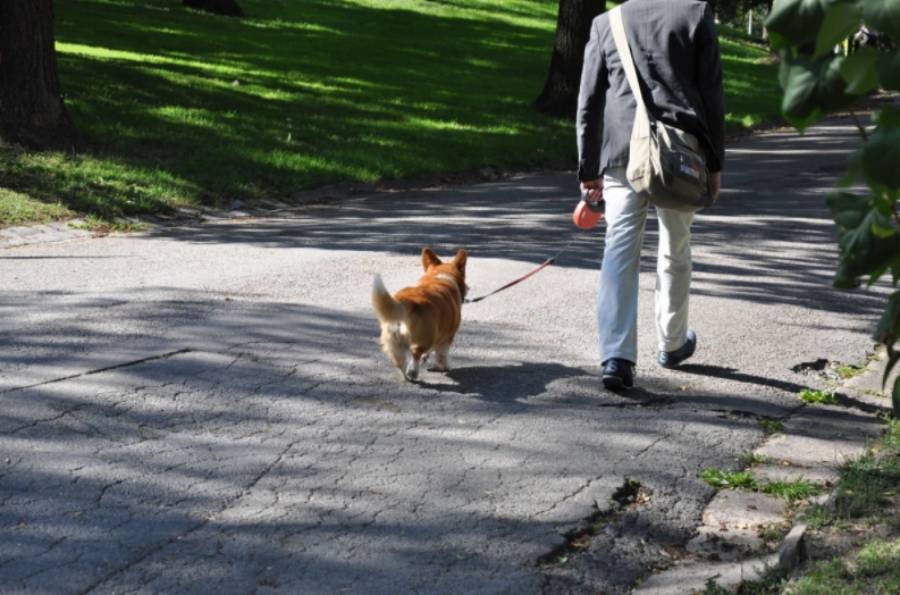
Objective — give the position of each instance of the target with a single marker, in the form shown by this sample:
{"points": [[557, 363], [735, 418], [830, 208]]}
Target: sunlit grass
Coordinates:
{"points": [[16, 208], [875, 569], [818, 397], [791, 491], [181, 107]]}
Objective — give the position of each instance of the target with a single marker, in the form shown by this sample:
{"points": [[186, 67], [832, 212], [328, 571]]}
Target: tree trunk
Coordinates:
{"points": [[573, 26], [31, 106], [228, 8]]}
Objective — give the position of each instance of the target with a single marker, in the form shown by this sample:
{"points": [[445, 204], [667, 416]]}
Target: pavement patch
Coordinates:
{"points": [[629, 494]]}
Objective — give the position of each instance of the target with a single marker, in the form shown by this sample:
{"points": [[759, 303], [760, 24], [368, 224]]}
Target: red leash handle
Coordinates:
{"points": [[588, 213]]}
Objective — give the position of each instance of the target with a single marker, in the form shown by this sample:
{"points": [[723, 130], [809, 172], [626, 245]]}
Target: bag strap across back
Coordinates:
{"points": [[618, 31]]}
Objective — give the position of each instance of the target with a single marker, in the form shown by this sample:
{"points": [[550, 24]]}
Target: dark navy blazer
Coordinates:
{"points": [[676, 53]]}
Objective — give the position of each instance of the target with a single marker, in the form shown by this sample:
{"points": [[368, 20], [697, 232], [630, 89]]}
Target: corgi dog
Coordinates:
{"points": [[423, 318]]}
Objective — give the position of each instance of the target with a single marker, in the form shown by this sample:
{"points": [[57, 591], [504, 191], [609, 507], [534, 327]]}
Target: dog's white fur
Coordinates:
{"points": [[395, 333]]}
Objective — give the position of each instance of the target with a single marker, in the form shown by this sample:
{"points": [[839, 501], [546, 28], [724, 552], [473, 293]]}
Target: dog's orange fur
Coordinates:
{"points": [[425, 317]]}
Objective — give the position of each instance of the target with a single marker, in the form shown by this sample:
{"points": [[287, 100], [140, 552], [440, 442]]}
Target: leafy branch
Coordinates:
{"points": [[818, 79]]}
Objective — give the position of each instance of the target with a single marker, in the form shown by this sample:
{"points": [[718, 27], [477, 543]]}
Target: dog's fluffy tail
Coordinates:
{"points": [[387, 308]]}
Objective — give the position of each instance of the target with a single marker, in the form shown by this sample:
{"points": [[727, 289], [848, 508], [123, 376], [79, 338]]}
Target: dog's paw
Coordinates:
{"points": [[411, 373], [441, 359]]}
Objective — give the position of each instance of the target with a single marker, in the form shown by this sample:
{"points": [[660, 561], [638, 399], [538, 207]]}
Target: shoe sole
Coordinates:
{"points": [[615, 383], [672, 366]]}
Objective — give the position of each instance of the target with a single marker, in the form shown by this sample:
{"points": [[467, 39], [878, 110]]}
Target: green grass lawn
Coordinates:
{"points": [[182, 107]]}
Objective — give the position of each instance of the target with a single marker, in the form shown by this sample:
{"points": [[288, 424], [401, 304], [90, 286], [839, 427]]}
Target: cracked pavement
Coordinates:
{"points": [[205, 408]]}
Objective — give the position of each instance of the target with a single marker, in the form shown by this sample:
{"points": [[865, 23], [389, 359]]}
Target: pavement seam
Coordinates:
{"points": [[99, 370]]}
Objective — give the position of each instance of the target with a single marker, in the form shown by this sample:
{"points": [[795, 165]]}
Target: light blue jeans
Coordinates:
{"points": [[626, 217]]}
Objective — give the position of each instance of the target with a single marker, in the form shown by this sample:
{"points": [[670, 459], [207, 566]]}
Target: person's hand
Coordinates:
{"points": [[593, 189], [715, 185]]}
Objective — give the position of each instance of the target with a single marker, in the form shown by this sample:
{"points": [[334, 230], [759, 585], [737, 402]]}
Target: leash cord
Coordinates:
{"points": [[534, 271]]}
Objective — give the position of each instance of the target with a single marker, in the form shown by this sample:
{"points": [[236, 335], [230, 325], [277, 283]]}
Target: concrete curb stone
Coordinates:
{"points": [[691, 578], [814, 443], [867, 386], [26, 235], [789, 473]]}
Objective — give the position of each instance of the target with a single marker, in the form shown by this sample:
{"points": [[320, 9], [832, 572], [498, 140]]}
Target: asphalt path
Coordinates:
{"points": [[205, 409]]}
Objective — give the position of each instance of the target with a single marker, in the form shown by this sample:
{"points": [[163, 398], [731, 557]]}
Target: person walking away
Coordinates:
{"points": [[675, 50]]}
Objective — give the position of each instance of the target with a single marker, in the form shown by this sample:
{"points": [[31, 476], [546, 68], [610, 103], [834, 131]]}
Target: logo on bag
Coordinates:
{"points": [[687, 169]]}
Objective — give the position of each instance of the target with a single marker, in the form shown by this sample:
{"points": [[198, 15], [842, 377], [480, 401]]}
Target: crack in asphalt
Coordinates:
{"points": [[229, 503], [566, 498], [55, 566], [45, 420], [99, 370], [644, 450]]}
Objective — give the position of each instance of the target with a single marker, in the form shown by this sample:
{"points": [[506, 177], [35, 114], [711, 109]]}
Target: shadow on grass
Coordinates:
{"points": [[182, 106], [187, 107]]}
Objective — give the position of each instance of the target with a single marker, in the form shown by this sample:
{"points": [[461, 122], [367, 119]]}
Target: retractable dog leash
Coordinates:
{"points": [[585, 216]]}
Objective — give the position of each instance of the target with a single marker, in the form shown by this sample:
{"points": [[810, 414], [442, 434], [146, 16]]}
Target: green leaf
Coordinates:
{"points": [[888, 68], [881, 157], [862, 251], [858, 69], [848, 210], [841, 20], [884, 202], [843, 282], [888, 331], [883, 16], [883, 232], [854, 170], [888, 118], [795, 22], [811, 88]]}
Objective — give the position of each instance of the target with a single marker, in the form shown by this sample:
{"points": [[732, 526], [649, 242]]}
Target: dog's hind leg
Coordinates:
{"points": [[441, 361], [396, 345]]}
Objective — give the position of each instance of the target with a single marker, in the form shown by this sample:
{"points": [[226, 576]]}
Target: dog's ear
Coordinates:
{"points": [[460, 259], [429, 258]]}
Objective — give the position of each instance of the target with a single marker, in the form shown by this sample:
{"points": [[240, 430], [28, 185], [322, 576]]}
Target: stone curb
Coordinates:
{"points": [[46, 233], [691, 578], [867, 386], [791, 551], [816, 440], [61, 231]]}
